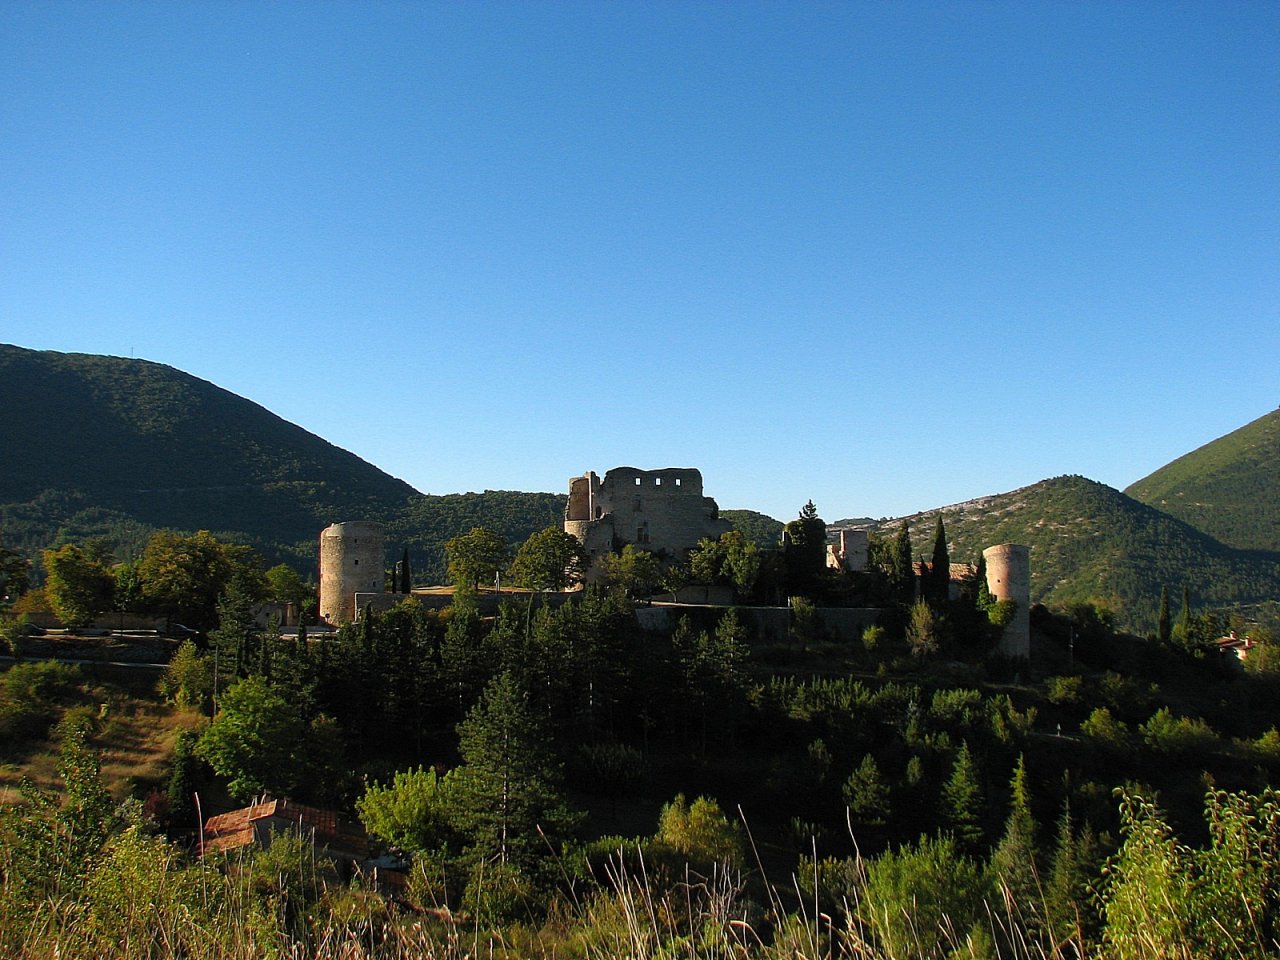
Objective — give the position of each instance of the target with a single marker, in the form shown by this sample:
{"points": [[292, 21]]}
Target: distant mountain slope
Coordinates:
{"points": [[104, 446], [1229, 488], [1089, 540], [758, 527], [166, 449]]}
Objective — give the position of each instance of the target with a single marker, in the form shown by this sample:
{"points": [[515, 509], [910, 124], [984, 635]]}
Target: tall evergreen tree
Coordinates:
{"points": [[1184, 633], [903, 565], [962, 800], [509, 783], [406, 573], [1164, 624], [940, 566], [1014, 860]]}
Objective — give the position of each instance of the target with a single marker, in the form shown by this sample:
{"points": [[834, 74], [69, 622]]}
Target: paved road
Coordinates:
{"points": [[135, 664]]}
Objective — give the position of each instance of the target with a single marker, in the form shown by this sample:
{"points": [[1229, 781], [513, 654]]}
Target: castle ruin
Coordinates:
{"points": [[662, 511]]}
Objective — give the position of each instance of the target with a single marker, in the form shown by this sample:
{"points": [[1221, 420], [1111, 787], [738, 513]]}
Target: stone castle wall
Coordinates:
{"points": [[662, 511], [352, 556]]}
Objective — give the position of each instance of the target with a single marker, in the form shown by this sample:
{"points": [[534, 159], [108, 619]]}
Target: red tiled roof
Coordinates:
{"points": [[228, 831]]}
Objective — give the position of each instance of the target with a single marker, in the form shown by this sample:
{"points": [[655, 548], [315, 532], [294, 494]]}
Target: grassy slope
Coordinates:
{"points": [[1229, 488], [1089, 540]]}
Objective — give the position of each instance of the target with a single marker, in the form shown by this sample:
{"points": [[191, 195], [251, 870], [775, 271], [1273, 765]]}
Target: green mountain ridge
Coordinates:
{"points": [[117, 448], [1229, 488], [1090, 541]]}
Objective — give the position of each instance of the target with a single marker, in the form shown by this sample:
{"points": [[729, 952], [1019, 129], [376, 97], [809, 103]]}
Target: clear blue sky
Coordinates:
{"points": [[887, 256]]}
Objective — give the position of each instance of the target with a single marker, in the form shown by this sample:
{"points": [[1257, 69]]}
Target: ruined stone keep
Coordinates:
{"points": [[662, 511], [1009, 578], [352, 555]]}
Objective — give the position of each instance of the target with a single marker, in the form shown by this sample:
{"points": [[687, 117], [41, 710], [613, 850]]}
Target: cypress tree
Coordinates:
{"points": [[903, 567], [1164, 625], [406, 573], [1184, 619], [940, 573]]}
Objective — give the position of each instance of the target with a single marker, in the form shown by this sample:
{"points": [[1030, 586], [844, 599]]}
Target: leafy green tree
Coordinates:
{"points": [[188, 679], [14, 574], [183, 575], [700, 831], [962, 800], [549, 560], [254, 741], [413, 813], [509, 784], [1068, 890], [866, 794], [475, 557], [78, 582], [285, 586], [634, 571]]}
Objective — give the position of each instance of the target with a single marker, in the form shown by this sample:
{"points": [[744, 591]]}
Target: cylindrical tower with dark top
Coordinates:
{"points": [[1009, 578], [352, 555]]}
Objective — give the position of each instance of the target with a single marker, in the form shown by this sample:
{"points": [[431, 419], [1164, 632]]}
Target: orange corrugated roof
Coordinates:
{"points": [[227, 831]]}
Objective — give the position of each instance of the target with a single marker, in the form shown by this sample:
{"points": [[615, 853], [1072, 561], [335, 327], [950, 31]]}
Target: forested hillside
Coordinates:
{"points": [[116, 448], [1229, 488], [1091, 541]]}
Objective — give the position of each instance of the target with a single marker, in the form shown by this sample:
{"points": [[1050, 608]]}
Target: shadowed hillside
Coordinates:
{"points": [[1229, 488]]}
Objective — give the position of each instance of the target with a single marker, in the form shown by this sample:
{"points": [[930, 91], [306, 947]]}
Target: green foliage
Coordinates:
{"points": [[188, 678], [866, 794], [922, 630], [285, 586], [30, 694], [181, 788], [1169, 734], [183, 576], [1161, 898], [962, 801], [1228, 488], [549, 560], [413, 812], [78, 582], [921, 899], [700, 832], [636, 572], [255, 740], [475, 557], [508, 787]]}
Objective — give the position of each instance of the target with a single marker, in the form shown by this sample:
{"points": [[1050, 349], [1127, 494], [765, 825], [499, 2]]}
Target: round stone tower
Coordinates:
{"points": [[351, 561], [1009, 578]]}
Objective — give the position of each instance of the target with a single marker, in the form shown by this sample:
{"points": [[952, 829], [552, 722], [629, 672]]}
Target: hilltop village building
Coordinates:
{"points": [[662, 511]]}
